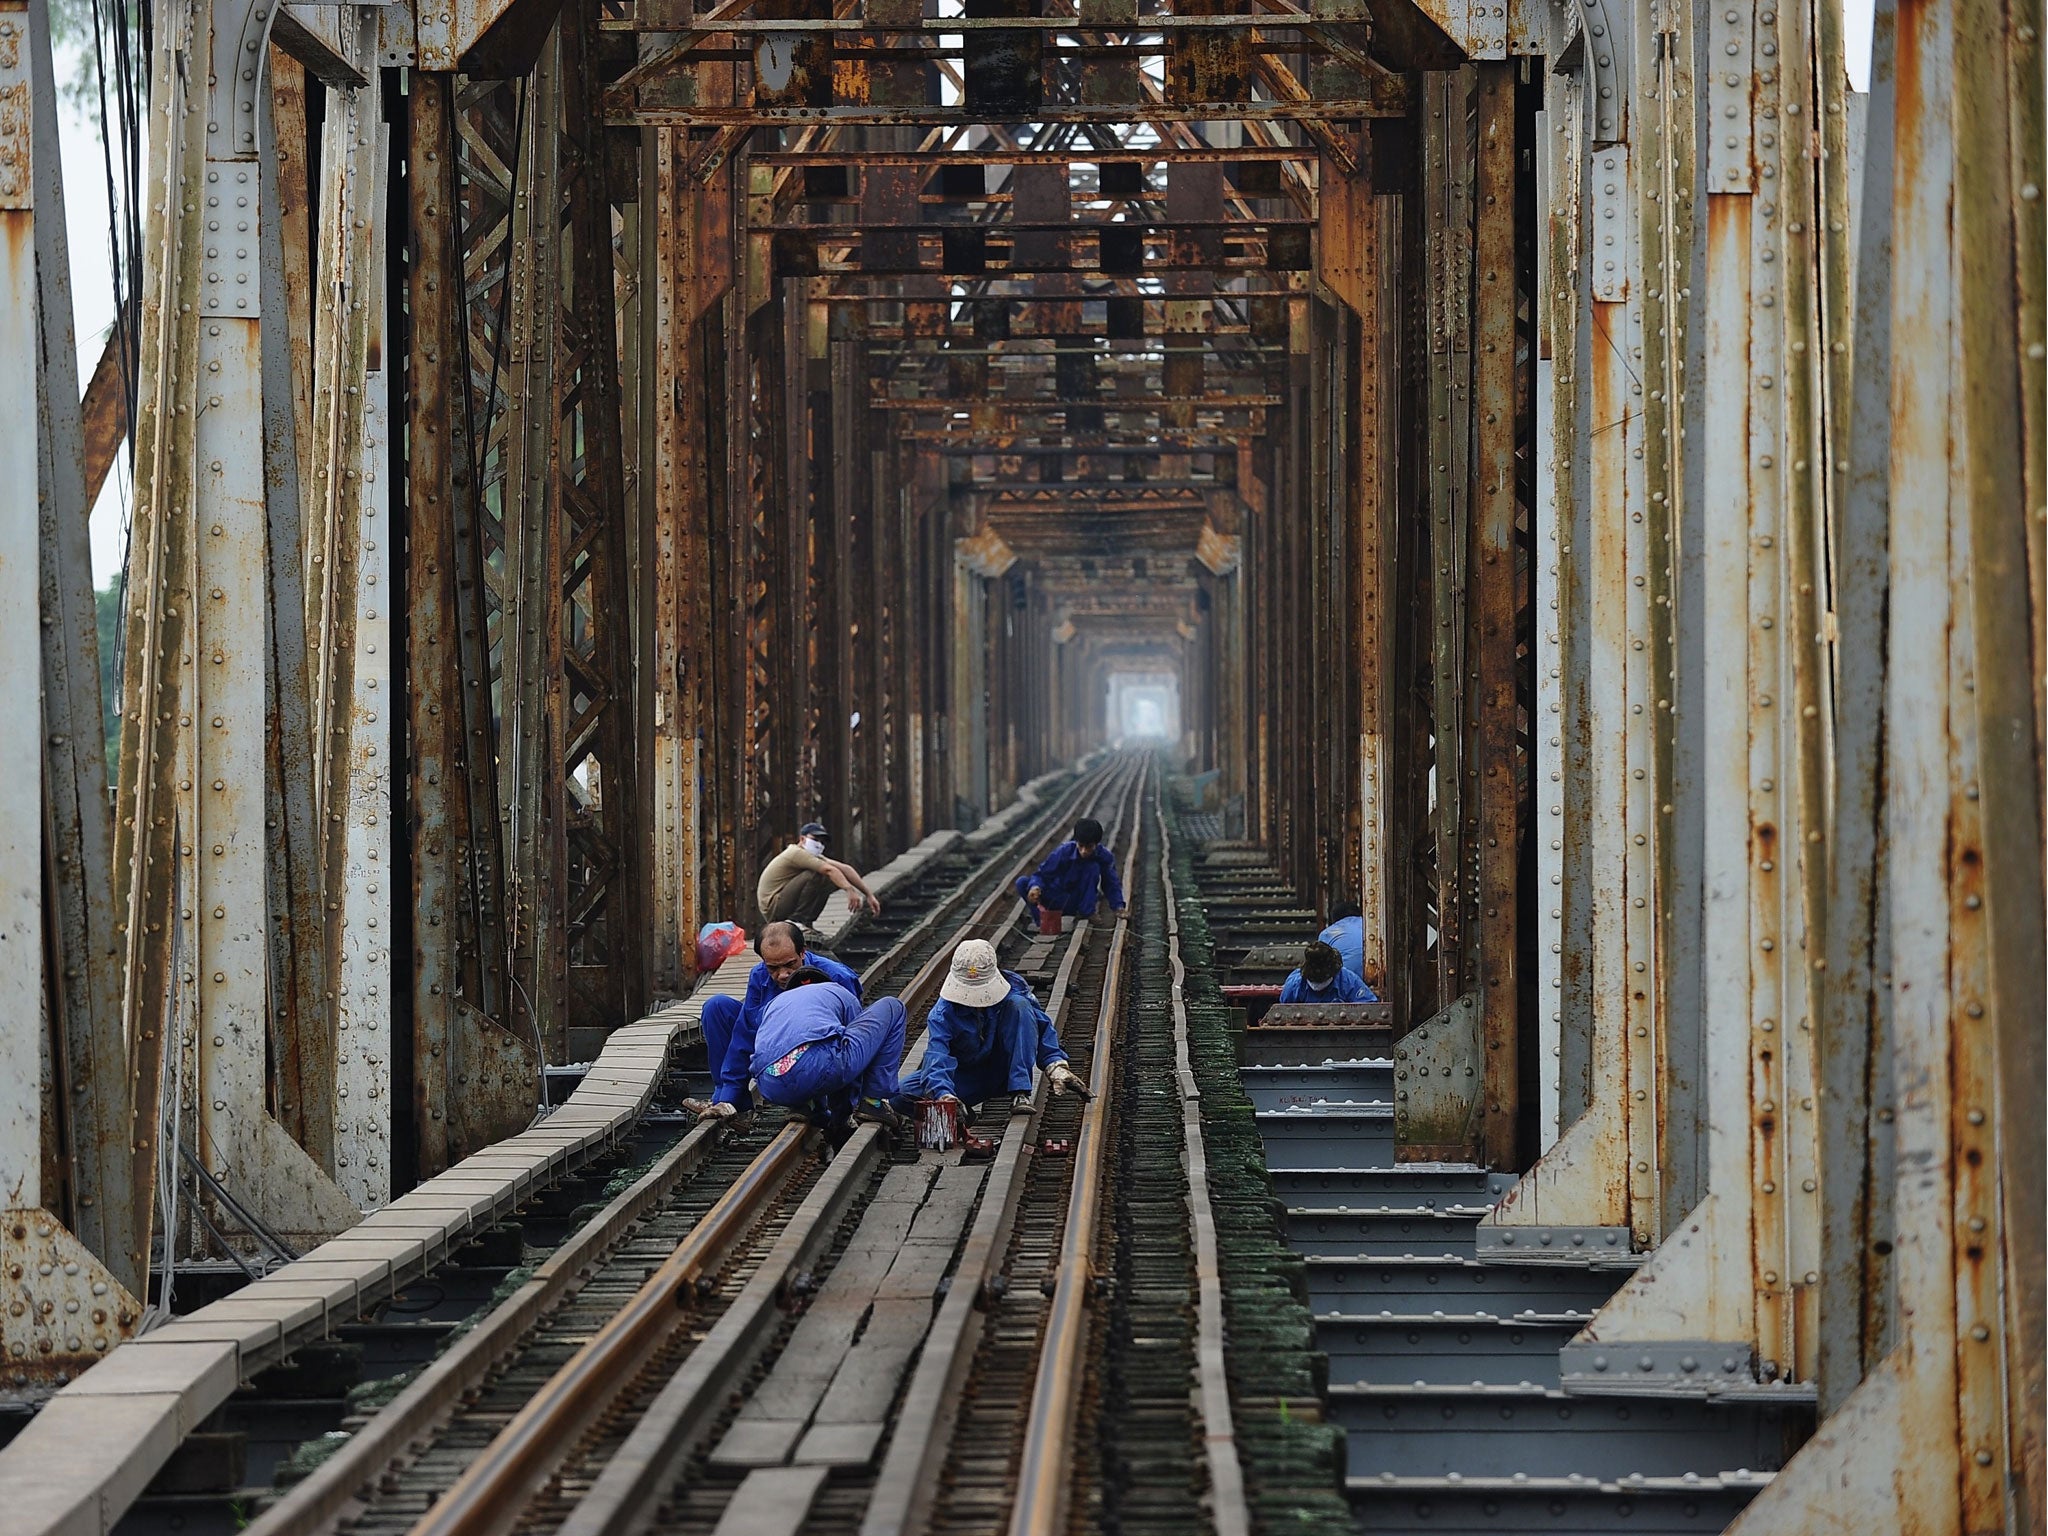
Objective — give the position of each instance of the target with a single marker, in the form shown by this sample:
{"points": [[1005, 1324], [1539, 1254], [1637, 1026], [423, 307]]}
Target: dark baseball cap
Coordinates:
{"points": [[814, 829]]}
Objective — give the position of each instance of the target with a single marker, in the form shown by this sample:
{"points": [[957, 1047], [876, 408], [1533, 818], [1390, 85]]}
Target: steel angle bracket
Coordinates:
{"points": [[1436, 1086], [60, 1310], [1721, 1370], [1606, 1247], [1607, 177], [1731, 83]]}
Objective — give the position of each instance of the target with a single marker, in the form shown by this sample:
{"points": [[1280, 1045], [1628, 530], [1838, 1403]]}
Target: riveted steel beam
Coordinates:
{"points": [[1493, 597]]}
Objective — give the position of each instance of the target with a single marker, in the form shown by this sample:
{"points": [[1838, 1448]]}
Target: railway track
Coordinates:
{"points": [[542, 1238], [764, 1333]]}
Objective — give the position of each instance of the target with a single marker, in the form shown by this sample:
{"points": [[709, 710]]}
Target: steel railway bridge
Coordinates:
{"points": [[1565, 474]]}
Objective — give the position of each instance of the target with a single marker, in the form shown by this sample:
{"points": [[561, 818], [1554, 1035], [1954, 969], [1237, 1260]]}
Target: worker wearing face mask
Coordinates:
{"points": [[1321, 978], [731, 1023], [796, 883]]}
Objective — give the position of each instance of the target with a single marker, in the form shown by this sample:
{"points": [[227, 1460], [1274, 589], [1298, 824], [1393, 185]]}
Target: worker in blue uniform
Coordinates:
{"points": [[730, 1023], [1346, 935], [1321, 978], [1073, 878], [819, 1051], [985, 1034]]}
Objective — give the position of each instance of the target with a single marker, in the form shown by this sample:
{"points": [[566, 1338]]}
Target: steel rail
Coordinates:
{"points": [[1005, 856], [487, 1497], [920, 1440], [641, 1472], [1042, 1480], [317, 1501], [1227, 1506]]}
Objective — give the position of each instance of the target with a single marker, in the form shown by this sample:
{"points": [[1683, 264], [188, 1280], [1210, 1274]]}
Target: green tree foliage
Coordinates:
{"points": [[108, 606]]}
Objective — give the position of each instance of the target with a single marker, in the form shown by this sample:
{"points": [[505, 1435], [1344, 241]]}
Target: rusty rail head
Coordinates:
{"points": [[1055, 1395], [487, 1498]]}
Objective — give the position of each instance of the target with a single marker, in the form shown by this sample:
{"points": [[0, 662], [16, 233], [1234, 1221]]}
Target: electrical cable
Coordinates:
{"points": [[235, 1208]]}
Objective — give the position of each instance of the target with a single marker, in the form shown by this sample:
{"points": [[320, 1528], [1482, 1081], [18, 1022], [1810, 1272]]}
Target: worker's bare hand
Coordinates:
{"points": [[874, 904]]}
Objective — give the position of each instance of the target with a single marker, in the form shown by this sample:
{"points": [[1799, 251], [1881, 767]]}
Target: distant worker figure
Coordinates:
{"points": [[820, 1051], [1346, 935], [730, 1023], [796, 883], [985, 1034], [1068, 882], [1321, 978]]}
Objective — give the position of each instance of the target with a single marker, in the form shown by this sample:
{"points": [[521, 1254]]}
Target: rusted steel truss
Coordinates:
{"points": [[1557, 544]]}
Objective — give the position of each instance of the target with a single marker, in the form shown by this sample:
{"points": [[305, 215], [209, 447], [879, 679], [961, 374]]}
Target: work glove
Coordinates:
{"points": [[723, 1111], [1064, 1077]]}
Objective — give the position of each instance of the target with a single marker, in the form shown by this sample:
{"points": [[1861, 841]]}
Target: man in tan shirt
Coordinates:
{"points": [[797, 882]]}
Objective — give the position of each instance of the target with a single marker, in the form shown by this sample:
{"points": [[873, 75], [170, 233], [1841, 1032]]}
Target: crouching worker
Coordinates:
{"points": [[985, 1034], [731, 1023], [820, 1052], [1321, 978], [1073, 878]]}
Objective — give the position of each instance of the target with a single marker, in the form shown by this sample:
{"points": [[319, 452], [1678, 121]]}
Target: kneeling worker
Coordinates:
{"points": [[985, 1034], [730, 1023], [1321, 978], [820, 1051]]}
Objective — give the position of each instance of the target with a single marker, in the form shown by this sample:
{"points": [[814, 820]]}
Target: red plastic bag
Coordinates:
{"points": [[718, 943]]}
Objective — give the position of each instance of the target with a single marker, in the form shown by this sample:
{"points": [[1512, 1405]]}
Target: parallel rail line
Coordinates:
{"points": [[758, 1268]]}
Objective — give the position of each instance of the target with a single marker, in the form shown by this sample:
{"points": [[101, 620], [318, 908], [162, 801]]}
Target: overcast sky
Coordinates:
{"points": [[92, 291]]}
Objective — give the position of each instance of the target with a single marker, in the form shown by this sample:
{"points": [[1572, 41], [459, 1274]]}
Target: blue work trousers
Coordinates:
{"points": [[1005, 1067], [720, 1018], [834, 1071]]}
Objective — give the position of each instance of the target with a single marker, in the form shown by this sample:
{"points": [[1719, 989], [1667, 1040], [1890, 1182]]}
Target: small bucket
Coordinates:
{"points": [[1048, 920], [938, 1124]]}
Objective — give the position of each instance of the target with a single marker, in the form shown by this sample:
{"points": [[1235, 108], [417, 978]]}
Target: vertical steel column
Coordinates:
{"points": [[1602, 1169], [364, 1045], [1447, 214], [1855, 1324], [603, 844], [83, 984], [147, 864], [1371, 561], [474, 1078], [223, 803], [345, 1017], [1493, 596], [24, 1047], [1556, 191]]}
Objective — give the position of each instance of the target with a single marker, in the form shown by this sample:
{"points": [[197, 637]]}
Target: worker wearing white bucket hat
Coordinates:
{"points": [[986, 1033]]}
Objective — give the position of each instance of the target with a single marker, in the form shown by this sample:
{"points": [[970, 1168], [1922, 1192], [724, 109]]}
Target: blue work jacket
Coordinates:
{"points": [[1347, 988], [729, 1077], [798, 1017], [761, 988], [1069, 883], [959, 1038], [1347, 937]]}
